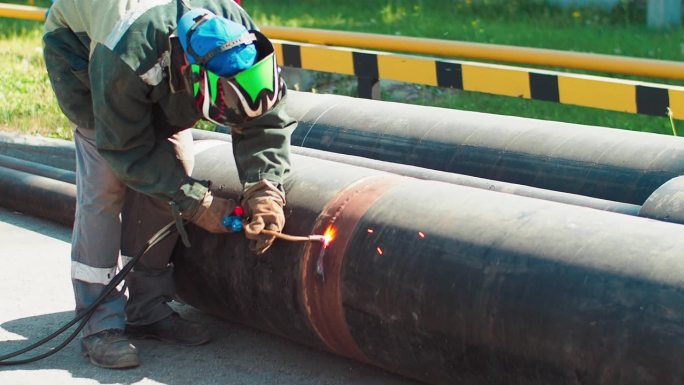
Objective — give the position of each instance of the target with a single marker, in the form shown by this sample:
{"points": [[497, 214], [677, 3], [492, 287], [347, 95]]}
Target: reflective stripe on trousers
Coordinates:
{"points": [[112, 220]]}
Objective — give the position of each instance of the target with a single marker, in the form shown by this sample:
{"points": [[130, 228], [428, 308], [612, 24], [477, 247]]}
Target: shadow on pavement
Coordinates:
{"points": [[40, 226], [237, 355]]}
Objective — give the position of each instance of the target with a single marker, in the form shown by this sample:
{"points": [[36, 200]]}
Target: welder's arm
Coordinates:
{"points": [[262, 154], [66, 60], [127, 139]]}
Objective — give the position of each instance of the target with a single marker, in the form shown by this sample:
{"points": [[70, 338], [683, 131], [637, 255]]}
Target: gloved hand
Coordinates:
{"points": [[263, 204], [210, 213]]}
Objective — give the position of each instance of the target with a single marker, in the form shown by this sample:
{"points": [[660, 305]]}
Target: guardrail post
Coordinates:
{"points": [[368, 75], [368, 88]]}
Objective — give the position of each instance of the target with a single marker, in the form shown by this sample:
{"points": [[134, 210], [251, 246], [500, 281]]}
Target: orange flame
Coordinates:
{"points": [[329, 235]]}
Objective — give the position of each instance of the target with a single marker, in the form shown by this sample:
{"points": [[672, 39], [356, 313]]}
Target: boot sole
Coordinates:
{"points": [[132, 362]]}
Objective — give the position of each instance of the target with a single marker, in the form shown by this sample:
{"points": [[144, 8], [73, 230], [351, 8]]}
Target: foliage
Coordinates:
{"points": [[27, 102]]}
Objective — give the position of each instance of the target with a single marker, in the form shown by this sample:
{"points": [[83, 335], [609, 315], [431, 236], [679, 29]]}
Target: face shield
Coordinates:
{"points": [[231, 73]]}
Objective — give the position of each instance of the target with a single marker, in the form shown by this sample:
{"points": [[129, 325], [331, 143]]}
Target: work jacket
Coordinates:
{"points": [[107, 61]]}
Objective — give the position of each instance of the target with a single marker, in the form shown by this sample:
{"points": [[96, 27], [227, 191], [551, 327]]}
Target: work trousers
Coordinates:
{"points": [[112, 224]]}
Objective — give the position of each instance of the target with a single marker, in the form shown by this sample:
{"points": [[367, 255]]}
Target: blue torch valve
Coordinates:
{"points": [[233, 222]]}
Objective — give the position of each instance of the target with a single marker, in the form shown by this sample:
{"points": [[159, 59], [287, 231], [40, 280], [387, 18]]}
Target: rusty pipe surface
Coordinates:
{"points": [[599, 162], [449, 284]]}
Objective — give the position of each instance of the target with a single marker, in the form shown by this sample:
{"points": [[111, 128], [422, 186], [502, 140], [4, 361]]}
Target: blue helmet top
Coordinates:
{"points": [[220, 45]]}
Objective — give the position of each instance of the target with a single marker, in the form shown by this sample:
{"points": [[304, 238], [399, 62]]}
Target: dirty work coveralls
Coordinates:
{"points": [[105, 63]]}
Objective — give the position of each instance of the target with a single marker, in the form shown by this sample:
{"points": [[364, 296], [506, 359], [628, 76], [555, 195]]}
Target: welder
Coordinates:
{"points": [[133, 77]]}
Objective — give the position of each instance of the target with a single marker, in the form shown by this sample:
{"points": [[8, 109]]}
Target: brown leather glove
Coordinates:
{"points": [[194, 202], [210, 213], [263, 204]]}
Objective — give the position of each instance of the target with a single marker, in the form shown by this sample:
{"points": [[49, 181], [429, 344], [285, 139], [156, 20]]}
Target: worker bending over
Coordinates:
{"points": [[133, 77]]}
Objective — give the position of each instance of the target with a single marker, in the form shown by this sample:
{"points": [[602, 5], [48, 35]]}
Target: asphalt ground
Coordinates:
{"points": [[36, 298]]}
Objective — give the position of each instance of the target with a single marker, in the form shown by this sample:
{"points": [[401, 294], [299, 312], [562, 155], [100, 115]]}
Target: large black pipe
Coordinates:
{"points": [[666, 203], [449, 284], [62, 154], [53, 152], [443, 283], [447, 177], [39, 169], [38, 196], [600, 162], [609, 164]]}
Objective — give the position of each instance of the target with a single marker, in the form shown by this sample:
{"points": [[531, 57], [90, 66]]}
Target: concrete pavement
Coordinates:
{"points": [[36, 299]]}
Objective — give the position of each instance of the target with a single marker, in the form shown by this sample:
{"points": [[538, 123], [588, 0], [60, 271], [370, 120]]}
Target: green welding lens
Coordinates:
{"points": [[241, 98], [195, 69], [213, 82], [257, 78]]}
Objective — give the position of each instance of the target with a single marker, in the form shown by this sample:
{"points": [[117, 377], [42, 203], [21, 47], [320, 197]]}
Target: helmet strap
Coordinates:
{"points": [[245, 38]]}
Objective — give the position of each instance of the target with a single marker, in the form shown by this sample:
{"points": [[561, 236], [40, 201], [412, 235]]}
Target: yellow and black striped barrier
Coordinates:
{"points": [[582, 90], [666, 69], [371, 66]]}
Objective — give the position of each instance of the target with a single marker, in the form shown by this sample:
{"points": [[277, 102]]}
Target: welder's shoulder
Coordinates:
{"points": [[141, 36]]}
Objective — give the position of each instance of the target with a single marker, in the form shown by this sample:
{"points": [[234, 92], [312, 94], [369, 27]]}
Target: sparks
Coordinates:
{"points": [[329, 235], [421, 235], [370, 231], [379, 250]]}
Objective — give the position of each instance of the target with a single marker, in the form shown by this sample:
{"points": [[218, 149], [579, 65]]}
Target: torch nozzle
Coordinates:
{"points": [[295, 238], [324, 240]]}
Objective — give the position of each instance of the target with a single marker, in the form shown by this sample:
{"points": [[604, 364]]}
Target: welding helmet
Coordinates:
{"points": [[231, 72]]}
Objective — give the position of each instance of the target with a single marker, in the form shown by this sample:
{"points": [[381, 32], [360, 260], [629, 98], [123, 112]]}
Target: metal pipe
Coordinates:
{"points": [[448, 48], [25, 12], [62, 152], [447, 177], [666, 203], [442, 283], [592, 161], [53, 152], [450, 284], [38, 169], [481, 51], [37, 196], [616, 165]]}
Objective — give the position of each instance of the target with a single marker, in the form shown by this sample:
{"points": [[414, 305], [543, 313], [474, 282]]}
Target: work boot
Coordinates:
{"points": [[110, 349], [173, 329]]}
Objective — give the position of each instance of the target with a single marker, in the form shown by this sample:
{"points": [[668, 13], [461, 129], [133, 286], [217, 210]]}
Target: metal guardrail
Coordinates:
{"points": [[664, 69], [372, 66], [467, 50], [26, 12], [582, 90]]}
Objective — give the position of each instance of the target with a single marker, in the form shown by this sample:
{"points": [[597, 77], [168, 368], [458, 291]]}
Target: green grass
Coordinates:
{"points": [[27, 104], [511, 22], [529, 23]]}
